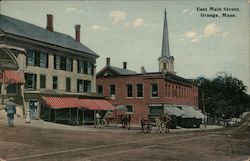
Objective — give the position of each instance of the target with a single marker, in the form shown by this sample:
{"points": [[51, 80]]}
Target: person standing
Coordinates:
{"points": [[98, 120], [10, 109]]}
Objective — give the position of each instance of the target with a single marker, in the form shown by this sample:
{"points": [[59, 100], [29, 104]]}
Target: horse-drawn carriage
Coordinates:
{"points": [[160, 121], [119, 116]]}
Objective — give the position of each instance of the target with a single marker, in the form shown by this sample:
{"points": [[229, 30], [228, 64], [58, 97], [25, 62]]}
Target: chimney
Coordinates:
{"points": [[49, 22], [124, 65], [77, 27], [143, 71], [107, 61]]}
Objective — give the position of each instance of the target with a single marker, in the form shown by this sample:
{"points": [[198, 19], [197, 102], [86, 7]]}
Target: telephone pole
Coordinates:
{"points": [[204, 111]]}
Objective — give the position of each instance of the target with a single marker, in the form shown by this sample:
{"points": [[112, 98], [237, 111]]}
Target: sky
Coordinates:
{"points": [[131, 31]]}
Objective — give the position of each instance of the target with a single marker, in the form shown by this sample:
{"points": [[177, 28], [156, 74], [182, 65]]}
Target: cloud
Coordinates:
{"points": [[98, 28], [211, 29], [187, 11], [191, 35], [71, 9], [137, 22], [117, 17]]}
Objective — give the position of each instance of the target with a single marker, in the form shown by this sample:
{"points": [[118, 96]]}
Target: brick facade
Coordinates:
{"points": [[169, 93]]}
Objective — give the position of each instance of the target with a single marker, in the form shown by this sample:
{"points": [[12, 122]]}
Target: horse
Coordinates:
{"points": [[162, 123], [125, 120], [145, 125]]}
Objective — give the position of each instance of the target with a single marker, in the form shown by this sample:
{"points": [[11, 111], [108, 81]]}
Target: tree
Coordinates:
{"points": [[224, 95]]}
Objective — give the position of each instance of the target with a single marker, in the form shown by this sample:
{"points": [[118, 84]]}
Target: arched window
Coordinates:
{"points": [[164, 65]]}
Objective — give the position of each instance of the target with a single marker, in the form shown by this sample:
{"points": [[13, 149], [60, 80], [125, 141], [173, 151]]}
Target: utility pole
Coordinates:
{"points": [[204, 111]]}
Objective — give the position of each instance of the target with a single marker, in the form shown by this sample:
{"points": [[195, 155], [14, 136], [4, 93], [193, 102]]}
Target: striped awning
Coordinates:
{"points": [[11, 77], [96, 104], [61, 102], [72, 102]]}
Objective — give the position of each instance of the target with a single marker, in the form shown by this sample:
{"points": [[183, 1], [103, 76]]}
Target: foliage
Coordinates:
{"points": [[224, 95]]}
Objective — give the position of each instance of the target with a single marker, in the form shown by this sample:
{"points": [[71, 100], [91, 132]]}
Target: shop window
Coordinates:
{"points": [[12, 89]]}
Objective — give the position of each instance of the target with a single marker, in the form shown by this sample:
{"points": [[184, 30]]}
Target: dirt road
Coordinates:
{"points": [[25, 143]]}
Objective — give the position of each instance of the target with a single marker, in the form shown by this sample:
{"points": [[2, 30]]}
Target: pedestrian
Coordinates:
{"points": [[10, 109], [98, 120]]}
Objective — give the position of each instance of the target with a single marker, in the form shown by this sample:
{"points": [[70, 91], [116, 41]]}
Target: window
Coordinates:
{"points": [[129, 90], [87, 86], [31, 57], [68, 84], [130, 108], [139, 90], [90, 66], [164, 65], [111, 90], [43, 60], [85, 67], [80, 66], [30, 81], [100, 90], [12, 89], [155, 110], [55, 82], [57, 62], [69, 64], [62, 63], [37, 58], [80, 85], [154, 90], [42, 81]]}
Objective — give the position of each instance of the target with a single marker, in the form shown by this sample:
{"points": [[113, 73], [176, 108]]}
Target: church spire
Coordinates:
{"points": [[165, 41], [166, 62]]}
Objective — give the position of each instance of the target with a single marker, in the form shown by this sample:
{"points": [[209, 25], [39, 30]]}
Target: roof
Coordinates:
{"points": [[11, 77], [122, 71], [111, 70], [20, 28]]}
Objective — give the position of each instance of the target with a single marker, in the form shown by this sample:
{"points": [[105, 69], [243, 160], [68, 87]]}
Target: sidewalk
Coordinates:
{"points": [[134, 128]]}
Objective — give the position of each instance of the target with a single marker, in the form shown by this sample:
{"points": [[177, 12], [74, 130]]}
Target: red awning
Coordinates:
{"points": [[62, 102], [11, 77], [96, 104]]}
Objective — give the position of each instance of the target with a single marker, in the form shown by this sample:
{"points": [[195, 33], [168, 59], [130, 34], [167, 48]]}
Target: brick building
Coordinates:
{"points": [[40, 67], [146, 94]]}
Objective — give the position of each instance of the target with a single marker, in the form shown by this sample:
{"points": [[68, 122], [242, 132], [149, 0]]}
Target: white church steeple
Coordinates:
{"points": [[166, 62]]}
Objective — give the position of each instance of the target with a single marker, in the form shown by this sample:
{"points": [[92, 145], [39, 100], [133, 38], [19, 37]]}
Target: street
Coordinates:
{"points": [[27, 143]]}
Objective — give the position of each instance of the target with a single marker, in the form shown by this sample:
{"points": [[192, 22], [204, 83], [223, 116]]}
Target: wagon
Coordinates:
{"points": [[119, 116]]}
